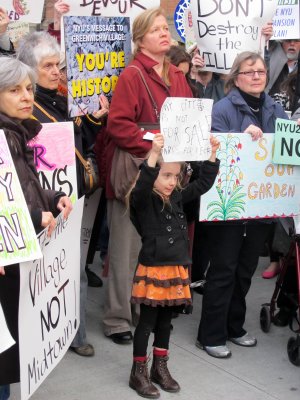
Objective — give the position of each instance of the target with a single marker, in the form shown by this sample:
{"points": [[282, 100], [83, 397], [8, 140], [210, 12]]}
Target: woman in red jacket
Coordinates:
{"points": [[131, 107]]}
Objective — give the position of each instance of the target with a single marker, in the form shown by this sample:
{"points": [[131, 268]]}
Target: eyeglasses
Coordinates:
{"points": [[252, 73]]}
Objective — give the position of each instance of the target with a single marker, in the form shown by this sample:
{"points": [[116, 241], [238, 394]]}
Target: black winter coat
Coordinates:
{"points": [[38, 200], [163, 227]]}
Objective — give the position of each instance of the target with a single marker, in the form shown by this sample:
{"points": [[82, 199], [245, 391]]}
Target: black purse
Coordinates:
{"points": [[91, 179]]}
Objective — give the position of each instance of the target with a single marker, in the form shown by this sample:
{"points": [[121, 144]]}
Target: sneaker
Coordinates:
{"points": [[245, 340], [215, 351], [86, 350]]}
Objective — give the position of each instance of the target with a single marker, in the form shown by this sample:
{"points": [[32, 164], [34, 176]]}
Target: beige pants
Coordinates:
{"points": [[124, 246]]}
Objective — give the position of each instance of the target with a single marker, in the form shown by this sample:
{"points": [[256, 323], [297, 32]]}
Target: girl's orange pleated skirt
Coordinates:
{"points": [[161, 285]]}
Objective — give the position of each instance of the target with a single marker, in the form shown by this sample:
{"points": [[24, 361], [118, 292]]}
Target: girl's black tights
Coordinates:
{"points": [[157, 319]]}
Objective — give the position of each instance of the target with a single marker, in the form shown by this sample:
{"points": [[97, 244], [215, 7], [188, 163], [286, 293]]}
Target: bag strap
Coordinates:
{"points": [[148, 90], [78, 154], [45, 112]]}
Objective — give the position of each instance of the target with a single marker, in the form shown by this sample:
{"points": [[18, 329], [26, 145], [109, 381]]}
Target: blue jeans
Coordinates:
{"points": [[4, 392]]}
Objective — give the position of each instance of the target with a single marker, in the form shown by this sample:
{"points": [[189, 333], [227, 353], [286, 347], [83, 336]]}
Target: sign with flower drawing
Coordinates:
{"points": [[249, 185]]}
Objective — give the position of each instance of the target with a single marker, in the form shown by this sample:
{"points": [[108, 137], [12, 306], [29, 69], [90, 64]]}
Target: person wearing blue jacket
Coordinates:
{"points": [[236, 245]]}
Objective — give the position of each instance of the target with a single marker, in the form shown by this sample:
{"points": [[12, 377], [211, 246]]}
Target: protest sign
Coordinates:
{"points": [[286, 20], [6, 339], [16, 30], [248, 184], [110, 8], [18, 240], [185, 124], [97, 51], [225, 28], [54, 157], [287, 142], [49, 312], [190, 37], [24, 10]]}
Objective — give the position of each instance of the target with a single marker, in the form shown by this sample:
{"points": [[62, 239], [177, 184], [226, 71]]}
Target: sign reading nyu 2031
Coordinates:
{"points": [[287, 142], [248, 184], [49, 312], [18, 240]]}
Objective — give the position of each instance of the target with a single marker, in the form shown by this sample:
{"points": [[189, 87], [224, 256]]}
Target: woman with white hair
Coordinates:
{"points": [[41, 51], [17, 83]]}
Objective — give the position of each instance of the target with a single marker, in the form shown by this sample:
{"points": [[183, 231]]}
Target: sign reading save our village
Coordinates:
{"points": [[249, 184]]}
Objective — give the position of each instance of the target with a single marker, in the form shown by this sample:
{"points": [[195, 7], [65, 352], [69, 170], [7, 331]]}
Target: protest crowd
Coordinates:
{"points": [[142, 205]]}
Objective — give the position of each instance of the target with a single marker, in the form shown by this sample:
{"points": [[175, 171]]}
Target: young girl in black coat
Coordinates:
{"points": [[161, 280]]}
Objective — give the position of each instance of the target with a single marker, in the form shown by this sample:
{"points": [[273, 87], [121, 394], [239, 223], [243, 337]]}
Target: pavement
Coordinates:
{"points": [[260, 373]]}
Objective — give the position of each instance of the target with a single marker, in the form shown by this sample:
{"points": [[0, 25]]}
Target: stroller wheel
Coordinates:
{"points": [[293, 350], [265, 319]]}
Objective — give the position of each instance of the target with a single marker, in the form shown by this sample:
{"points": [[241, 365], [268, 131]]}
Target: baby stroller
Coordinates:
{"points": [[267, 313]]}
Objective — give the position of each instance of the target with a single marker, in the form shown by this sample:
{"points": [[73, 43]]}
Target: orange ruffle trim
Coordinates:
{"points": [[161, 285]]}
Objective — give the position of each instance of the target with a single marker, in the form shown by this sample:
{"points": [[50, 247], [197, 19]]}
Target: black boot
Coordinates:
{"points": [[161, 375], [139, 380]]}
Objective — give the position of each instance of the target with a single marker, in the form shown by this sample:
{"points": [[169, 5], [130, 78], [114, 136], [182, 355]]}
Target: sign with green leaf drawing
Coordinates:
{"points": [[18, 241], [248, 184]]}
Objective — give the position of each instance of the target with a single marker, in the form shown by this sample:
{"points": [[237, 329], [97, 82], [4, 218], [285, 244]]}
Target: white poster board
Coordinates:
{"points": [[112, 8], [224, 29], [49, 312], [286, 20], [18, 242], [24, 10], [249, 185], [115, 8], [185, 124]]}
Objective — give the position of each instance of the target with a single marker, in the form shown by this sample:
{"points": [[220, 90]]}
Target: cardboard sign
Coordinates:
{"points": [[55, 159], [97, 51], [287, 142], [24, 10], [286, 20], [248, 184], [185, 124], [18, 240], [226, 28], [49, 311]]}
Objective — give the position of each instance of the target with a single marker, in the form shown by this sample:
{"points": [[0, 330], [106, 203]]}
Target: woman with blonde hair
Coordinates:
{"points": [[131, 107]]}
